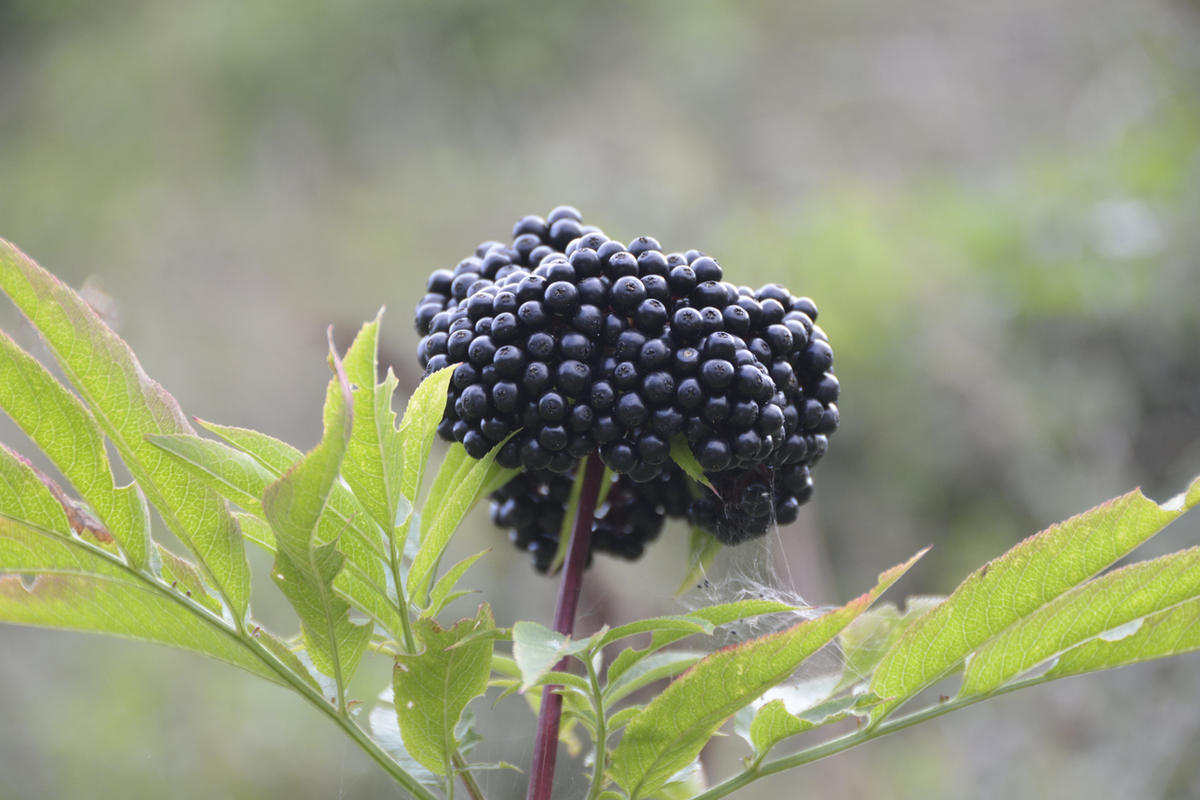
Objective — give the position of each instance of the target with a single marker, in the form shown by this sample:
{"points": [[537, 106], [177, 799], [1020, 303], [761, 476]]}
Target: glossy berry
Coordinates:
{"points": [[566, 342]]}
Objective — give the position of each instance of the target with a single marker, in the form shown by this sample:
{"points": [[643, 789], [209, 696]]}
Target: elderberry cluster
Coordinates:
{"points": [[568, 342]]}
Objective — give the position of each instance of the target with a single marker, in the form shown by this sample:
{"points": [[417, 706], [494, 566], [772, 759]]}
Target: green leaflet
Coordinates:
{"points": [[439, 520], [62, 428], [1015, 585], [25, 498], [79, 588], [721, 614], [235, 475], [183, 576], [1099, 606], [773, 722], [674, 727], [375, 453], [419, 426], [443, 591], [686, 625], [537, 650], [243, 478], [305, 569], [128, 406], [654, 667], [681, 454], [1167, 633], [433, 687]]}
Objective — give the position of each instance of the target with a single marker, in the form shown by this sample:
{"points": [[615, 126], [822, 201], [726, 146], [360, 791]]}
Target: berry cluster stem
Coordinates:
{"points": [[545, 743]]}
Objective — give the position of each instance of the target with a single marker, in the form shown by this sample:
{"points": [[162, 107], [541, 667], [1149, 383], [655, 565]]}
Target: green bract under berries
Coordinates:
{"points": [[568, 343]]}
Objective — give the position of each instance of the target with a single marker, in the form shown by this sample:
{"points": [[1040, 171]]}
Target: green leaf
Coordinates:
{"points": [[346, 518], [25, 498], [773, 722], [443, 592], [702, 549], [686, 625], [866, 639], [304, 569], [537, 650], [78, 587], [676, 725], [1099, 606], [434, 687], [654, 667], [62, 428], [260, 460], [257, 531], [681, 454], [419, 426], [128, 406], [1013, 586], [375, 454], [1167, 633], [235, 475], [184, 577], [722, 614], [438, 522]]}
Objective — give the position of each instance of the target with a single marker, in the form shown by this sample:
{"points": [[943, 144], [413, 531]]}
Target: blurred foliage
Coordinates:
{"points": [[994, 207]]}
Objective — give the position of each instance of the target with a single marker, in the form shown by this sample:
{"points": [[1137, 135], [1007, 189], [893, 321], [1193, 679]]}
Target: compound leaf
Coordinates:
{"points": [[675, 726], [1015, 585], [128, 405], [305, 568], [433, 688]]}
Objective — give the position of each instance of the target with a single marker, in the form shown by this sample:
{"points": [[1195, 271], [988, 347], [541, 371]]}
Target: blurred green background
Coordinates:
{"points": [[996, 207]]}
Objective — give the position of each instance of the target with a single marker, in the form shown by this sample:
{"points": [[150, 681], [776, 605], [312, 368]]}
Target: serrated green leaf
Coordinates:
{"points": [[1167, 633], [419, 426], [284, 655], [676, 725], [681, 454], [184, 577], [443, 591], [347, 519], [454, 466], [702, 550], [63, 428], [620, 719], [304, 569], [25, 498], [721, 614], [654, 667], [257, 530], [259, 461], [433, 688], [75, 586], [235, 475], [1016, 584], [773, 722], [1104, 604], [537, 650], [438, 522], [128, 406], [685, 625], [374, 457]]}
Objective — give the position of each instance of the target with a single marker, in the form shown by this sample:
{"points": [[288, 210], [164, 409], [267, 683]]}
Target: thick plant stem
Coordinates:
{"points": [[545, 743]]}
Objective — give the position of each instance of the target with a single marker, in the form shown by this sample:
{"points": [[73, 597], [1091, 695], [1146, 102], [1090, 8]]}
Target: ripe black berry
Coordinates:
{"points": [[569, 343]]}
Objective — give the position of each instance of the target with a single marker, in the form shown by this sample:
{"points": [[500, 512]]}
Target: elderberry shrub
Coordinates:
{"points": [[568, 342]]}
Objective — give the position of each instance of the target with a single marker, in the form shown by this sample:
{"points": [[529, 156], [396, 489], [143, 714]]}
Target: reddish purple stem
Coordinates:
{"points": [[545, 743]]}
